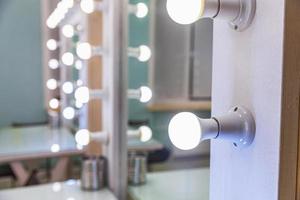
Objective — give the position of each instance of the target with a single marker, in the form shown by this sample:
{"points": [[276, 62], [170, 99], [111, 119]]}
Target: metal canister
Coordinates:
{"points": [[92, 173], [137, 169]]}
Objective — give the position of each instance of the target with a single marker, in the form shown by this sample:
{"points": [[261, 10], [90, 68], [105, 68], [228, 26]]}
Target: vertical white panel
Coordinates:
{"points": [[247, 70]]}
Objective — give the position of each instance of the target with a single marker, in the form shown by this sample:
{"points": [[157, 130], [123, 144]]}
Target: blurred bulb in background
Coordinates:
{"points": [[78, 64], [82, 137], [144, 53], [67, 58], [82, 94], [68, 31], [54, 103], [146, 94], [53, 64], [52, 84], [55, 148], [146, 133], [52, 44], [87, 6], [69, 113], [68, 87], [141, 10], [84, 50]]}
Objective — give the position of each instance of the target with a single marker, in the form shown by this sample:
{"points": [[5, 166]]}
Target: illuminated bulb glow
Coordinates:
{"points": [[185, 131], [79, 82], [78, 104], [59, 13], [53, 64], [146, 94], [82, 94], [144, 53], [82, 137], [78, 64], [52, 84], [52, 44], [146, 133], [69, 113], [68, 87], [84, 51], [55, 148], [141, 10], [54, 103], [87, 6], [67, 58], [185, 11], [56, 187], [68, 31]]}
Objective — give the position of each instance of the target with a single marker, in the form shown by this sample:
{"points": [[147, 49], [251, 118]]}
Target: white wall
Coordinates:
{"points": [[247, 70]]}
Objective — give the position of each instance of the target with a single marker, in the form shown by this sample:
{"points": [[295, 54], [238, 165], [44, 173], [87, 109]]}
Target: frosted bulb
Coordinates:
{"points": [[84, 51], [68, 58], [185, 11], [82, 94], [68, 31], [142, 10], [55, 148], [53, 64], [52, 44], [146, 94], [144, 54], [51, 84], [82, 137], [185, 131], [146, 133], [68, 87], [78, 64], [87, 6], [69, 113], [54, 103], [78, 104]]}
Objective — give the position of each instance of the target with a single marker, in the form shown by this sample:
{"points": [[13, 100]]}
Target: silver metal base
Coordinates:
{"points": [[246, 16]]}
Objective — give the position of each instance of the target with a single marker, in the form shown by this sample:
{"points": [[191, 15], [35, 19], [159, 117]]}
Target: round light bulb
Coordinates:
{"points": [[68, 31], [185, 131], [68, 3], [185, 11], [54, 103], [78, 104], [87, 6], [68, 58], [146, 133], [82, 94], [52, 84], [53, 64], [141, 10], [68, 87], [56, 187], [78, 64], [69, 113], [84, 51], [82, 137], [79, 82], [146, 94], [52, 44], [55, 148], [145, 53]]}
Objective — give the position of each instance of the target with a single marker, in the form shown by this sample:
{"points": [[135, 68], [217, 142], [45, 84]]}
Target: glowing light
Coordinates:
{"points": [[87, 6], [79, 82], [141, 10], [68, 58], [53, 64], [56, 187], [144, 53], [82, 137], [146, 94], [55, 148], [185, 131], [68, 30], [68, 87], [185, 11], [78, 104], [52, 84], [78, 64], [54, 103], [52, 44], [84, 50], [69, 113], [146, 133], [82, 94]]}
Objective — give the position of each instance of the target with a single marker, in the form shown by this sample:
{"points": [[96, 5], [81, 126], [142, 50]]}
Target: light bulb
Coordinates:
{"points": [[82, 137], [52, 84], [69, 113], [144, 53], [82, 94], [78, 104], [78, 64], [84, 50], [54, 103], [53, 64], [146, 94], [56, 187], [79, 82], [68, 3], [87, 6], [68, 58], [52, 44], [67, 87], [146, 133], [141, 10], [55, 148], [185, 131], [68, 30]]}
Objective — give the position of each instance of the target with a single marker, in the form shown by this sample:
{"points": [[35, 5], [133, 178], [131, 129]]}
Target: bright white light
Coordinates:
{"points": [[185, 11], [78, 104], [55, 148], [52, 84], [68, 58], [141, 10], [69, 113], [146, 94], [56, 187], [146, 133], [82, 137], [84, 50], [68, 3], [68, 87], [68, 31], [82, 94], [79, 82], [78, 64], [185, 131], [145, 53], [87, 6], [54, 103], [52, 44], [70, 198], [53, 64]]}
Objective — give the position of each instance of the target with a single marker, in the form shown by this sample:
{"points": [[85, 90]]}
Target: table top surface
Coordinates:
{"points": [[138, 146], [174, 185], [69, 190], [36, 142]]}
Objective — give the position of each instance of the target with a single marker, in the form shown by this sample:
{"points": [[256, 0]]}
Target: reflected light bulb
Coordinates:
{"points": [[53, 64], [54, 103], [82, 137], [84, 51], [82, 94], [69, 113], [185, 131], [55, 148], [52, 44], [51, 84], [78, 64], [68, 87], [87, 6], [185, 11], [56, 187], [68, 30], [146, 133], [78, 104], [68, 58], [142, 10], [146, 94], [144, 53]]}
